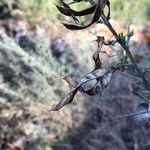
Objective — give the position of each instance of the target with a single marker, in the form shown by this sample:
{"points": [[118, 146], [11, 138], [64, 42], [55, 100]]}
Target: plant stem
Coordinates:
{"points": [[132, 114], [126, 48]]}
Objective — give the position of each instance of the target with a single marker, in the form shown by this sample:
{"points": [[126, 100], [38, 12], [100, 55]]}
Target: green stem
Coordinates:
{"points": [[126, 48]]}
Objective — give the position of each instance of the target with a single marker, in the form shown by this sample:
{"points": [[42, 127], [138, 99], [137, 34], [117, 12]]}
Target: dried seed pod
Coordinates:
{"points": [[96, 9], [101, 77], [67, 11]]}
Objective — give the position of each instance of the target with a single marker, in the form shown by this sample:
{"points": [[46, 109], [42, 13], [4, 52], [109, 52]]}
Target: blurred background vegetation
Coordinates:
{"points": [[129, 11], [35, 54]]}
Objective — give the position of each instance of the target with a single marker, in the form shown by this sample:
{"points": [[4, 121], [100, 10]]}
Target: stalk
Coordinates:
{"points": [[126, 48]]}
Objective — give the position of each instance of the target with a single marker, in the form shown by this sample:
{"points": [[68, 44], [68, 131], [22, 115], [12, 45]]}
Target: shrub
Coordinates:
{"points": [[99, 74]]}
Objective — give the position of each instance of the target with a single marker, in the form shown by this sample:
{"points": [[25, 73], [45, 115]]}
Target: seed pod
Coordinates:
{"points": [[96, 9]]}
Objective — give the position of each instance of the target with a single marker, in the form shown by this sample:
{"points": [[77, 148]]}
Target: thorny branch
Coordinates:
{"points": [[126, 48], [102, 76]]}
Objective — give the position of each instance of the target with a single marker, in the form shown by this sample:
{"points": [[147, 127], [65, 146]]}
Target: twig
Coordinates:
{"points": [[126, 48], [132, 114]]}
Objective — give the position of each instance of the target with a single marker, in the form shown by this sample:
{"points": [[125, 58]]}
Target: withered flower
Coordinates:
{"points": [[96, 10]]}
